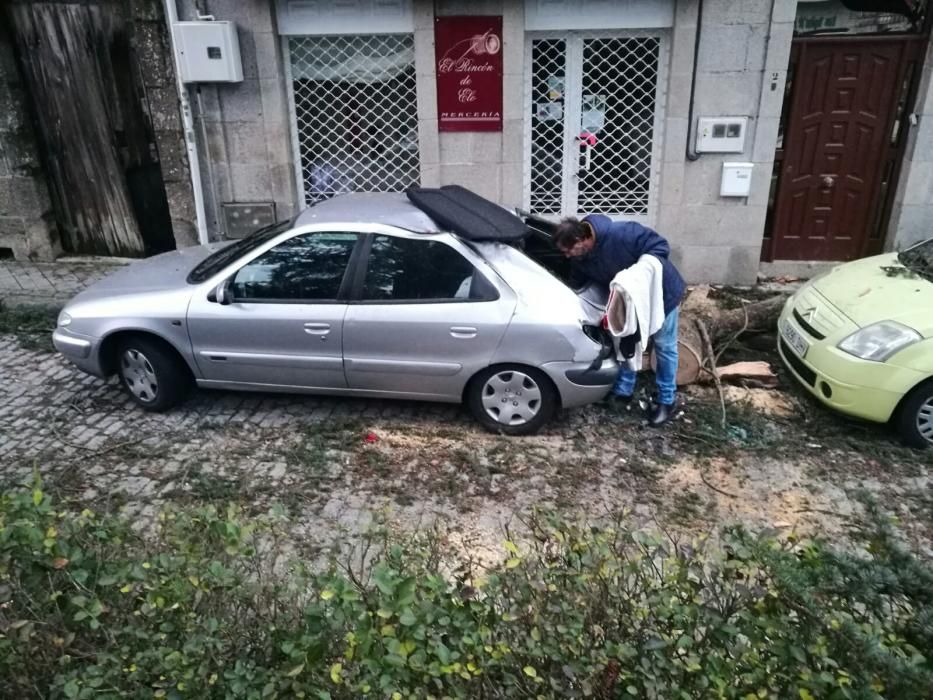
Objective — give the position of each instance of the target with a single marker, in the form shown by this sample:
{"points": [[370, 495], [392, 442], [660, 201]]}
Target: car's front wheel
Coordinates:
{"points": [[152, 373], [512, 399], [915, 418]]}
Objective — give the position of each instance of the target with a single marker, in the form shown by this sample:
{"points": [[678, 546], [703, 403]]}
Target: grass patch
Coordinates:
{"points": [[322, 443], [685, 508], [812, 433], [31, 325]]}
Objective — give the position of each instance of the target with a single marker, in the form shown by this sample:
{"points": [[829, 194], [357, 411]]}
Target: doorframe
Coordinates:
{"points": [[574, 61], [880, 213]]}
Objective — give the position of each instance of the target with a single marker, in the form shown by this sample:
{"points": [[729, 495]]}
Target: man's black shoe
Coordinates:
{"points": [[661, 414], [617, 400]]}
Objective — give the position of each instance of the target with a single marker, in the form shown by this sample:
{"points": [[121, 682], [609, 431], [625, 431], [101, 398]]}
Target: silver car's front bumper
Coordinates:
{"points": [[578, 384], [81, 350]]}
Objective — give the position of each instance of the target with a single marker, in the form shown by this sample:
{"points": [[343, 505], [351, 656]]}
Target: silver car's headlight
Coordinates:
{"points": [[880, 340], [63, 319]]}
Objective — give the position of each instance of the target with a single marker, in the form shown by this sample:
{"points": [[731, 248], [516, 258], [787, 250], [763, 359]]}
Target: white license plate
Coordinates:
{"points": [[796, 341]]}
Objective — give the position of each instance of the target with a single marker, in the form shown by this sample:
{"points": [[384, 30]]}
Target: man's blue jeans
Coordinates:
{"points": [[665, 350]]}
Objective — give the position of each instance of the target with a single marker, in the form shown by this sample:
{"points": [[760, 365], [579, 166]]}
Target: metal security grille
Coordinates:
{"points": [[594, 105], [547, 125], [356, 119], [620, 80]]}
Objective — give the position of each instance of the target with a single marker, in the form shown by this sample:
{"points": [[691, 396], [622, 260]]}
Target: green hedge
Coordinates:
{"points": [[209, 606]]}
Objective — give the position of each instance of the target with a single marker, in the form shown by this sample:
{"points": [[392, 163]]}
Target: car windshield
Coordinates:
{"points": [[216, 262], [919, 259]]}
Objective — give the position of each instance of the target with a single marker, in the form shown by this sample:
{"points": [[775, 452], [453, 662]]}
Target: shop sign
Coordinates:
{"points": [[468, 52]]}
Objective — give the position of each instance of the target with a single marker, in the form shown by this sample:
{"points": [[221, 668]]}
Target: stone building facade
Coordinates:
{"points": [[341, 97]]}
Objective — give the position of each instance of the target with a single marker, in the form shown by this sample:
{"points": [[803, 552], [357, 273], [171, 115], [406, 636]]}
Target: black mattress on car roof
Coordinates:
{"points": [[467, 214]]}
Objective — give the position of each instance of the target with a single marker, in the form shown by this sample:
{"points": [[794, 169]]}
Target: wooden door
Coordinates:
{"points": [[90, 108], [840, 127]]}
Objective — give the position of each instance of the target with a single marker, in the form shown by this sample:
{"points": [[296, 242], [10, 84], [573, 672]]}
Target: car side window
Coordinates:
{"points": [[303, 268], [405, 269]]}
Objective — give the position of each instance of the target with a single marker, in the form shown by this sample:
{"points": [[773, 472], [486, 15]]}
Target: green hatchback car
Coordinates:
{"points": [[860, 339]]}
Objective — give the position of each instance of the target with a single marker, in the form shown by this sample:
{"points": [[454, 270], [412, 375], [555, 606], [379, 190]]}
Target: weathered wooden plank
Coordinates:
{"points": [[67, 51]]}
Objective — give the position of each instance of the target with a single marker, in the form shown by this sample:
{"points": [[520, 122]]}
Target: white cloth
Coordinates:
{"points": [[639, 287]]}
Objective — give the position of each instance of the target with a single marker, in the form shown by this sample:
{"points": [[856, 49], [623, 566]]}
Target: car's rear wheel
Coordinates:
{"points": [[915, 418], [512, 399], [152, 373]]}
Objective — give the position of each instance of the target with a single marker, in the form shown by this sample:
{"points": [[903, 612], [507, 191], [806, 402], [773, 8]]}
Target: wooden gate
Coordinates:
{"points": [[841, 147], [89, 106]]}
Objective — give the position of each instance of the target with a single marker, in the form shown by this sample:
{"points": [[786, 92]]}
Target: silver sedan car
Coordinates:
{"points": [[362, 295]]}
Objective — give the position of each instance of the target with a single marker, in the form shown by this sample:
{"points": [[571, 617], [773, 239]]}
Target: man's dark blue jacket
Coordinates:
{"points": [[619, 244]]}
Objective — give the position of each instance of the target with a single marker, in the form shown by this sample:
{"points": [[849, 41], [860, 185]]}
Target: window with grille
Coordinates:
{"points": [[601, 94], [356, 119], [548, 59], [620, 78]]}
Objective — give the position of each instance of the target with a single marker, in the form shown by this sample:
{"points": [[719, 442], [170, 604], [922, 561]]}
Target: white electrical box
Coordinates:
{"points": [[208, 52], [721, 134], [736, 179]]}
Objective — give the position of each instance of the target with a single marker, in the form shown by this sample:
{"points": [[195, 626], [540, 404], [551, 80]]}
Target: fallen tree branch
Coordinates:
{"points": [[823, 511], [716, 488], [704, 334], [731, 340]]}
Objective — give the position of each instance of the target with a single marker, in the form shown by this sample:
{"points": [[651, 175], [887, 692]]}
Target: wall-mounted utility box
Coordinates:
{"points": [[208, 52], [242, 218], [736, 179], [721, 134]]}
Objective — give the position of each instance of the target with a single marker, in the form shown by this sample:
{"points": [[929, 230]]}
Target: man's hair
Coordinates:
{"points": [[569, 232]]}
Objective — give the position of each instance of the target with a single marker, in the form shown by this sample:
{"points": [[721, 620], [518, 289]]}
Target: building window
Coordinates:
{"points": [[356, 119]]}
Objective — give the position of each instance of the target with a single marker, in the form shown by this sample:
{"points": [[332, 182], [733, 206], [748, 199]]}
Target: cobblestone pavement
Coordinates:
{"points": [[55, 282], [50, 410]]}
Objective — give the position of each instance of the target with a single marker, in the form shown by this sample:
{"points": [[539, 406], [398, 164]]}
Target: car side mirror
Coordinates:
{"points": [[223, 294]]}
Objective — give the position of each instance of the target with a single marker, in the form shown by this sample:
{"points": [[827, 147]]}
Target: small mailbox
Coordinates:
{"points": [[736, 179]]}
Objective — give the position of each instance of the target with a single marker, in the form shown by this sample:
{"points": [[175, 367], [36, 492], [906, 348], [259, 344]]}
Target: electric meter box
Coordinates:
{"points": [[721, 134], [208, 52], [736, 179]]}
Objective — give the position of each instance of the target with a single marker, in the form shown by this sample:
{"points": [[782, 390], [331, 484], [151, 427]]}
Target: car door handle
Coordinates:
{"points": [[317, 328], [463, 331]]}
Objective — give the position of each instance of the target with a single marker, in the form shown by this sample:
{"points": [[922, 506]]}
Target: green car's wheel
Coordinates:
{"points": [[915, 418]]}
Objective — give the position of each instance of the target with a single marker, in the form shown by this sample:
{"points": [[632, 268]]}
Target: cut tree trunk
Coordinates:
{"points": [[723, 326]]}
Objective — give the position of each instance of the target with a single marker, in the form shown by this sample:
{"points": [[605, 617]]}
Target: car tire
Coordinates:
{"points": [[915, 417], [512, 399], [152, 373]]}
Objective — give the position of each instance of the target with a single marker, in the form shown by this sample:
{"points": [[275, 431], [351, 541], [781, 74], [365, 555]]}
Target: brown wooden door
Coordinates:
{"points": [[839, 129], [81, 71]]}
